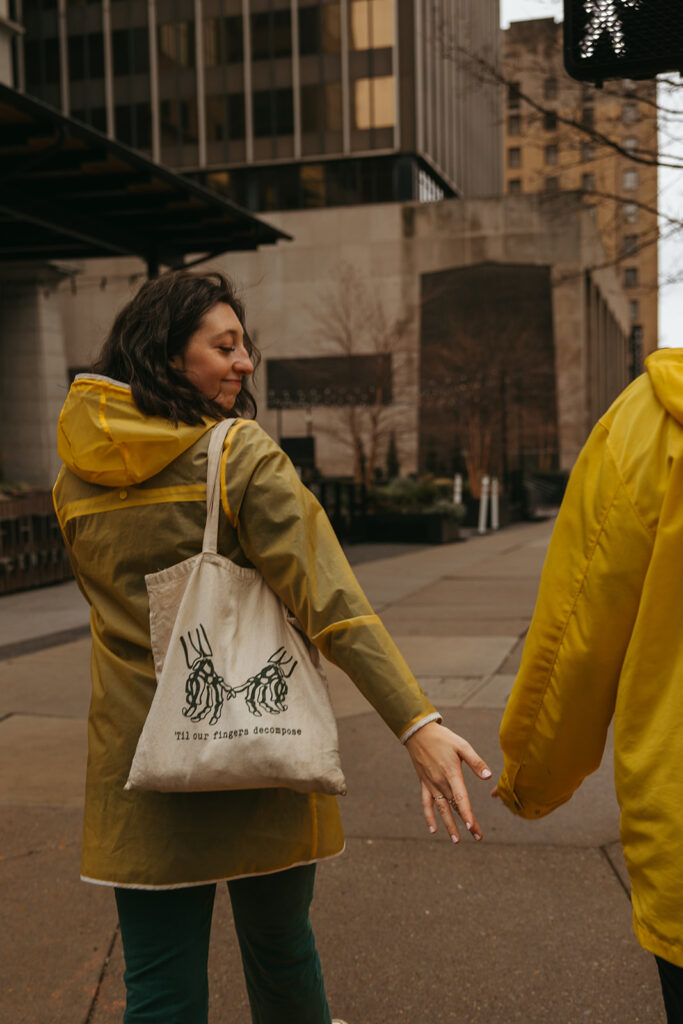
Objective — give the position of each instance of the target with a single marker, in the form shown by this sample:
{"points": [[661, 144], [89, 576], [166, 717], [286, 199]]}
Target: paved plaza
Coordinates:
{"points": [[531, 925]]}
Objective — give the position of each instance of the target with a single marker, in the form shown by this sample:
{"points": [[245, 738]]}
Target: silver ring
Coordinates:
{"points": [[440, 797]]}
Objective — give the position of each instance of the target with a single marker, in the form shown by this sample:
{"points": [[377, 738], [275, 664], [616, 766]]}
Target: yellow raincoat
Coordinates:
{"points": [[131, 500], [607, 639]]}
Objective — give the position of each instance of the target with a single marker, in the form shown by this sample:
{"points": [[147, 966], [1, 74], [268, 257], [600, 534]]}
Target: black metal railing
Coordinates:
{"points": [[32, 551]]}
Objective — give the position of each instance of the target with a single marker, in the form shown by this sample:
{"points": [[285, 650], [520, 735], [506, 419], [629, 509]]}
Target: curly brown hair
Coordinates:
{"points": [[154, 327]]}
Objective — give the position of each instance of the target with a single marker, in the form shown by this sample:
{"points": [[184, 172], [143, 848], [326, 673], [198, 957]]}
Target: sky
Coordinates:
{"points": [[670, 193]]}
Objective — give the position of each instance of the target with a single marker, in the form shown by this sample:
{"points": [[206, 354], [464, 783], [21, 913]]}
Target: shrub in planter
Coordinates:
{"points": [[407, 509]]}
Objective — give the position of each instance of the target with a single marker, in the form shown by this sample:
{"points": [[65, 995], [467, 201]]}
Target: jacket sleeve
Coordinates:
{"points": [[555, 724], [285, 534]]}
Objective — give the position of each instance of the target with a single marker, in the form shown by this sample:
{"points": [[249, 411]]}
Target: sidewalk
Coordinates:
{"points": [[532, 925]]}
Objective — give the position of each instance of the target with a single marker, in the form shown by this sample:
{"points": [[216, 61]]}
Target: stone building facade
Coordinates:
{"points": [[358, 285]]}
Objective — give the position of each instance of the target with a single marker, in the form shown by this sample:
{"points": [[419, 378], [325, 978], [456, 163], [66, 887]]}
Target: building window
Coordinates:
{"points": [[86, 56], [587, 151], [130, 51], [550, 121], [234, 39], [514, 95], [630, 213], [312, 183], [321, 108], [236, 116], [273, 112], [634, 309], [374, 102], [630, 144], [271, 35], [225, 117], [178, 122], [41, 57], [629, 113], [551, 184], [631, 277], [176, 45], [319, 29], [223, 41], [515, 157], [133, 125], [551, 154], [629, 180], [587, 117], [588, 182], [427, 190], [550, 88], [515, 186], [514, 124], [630, 247], [372, 24]]}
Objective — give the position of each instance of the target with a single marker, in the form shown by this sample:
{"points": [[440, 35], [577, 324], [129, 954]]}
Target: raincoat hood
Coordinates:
{"points": [[103, 437], [665, 369]]}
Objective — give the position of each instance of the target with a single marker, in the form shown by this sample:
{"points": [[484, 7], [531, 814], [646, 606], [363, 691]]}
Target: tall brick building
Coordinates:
{"points": [[547, 150]]}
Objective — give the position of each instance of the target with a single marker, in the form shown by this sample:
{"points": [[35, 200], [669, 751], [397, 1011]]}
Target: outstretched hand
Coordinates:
{"points": [[437, 755]]}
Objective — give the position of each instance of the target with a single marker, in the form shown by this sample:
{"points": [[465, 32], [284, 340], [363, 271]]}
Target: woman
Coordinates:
{"points": [[605, 641], [131, 500]]}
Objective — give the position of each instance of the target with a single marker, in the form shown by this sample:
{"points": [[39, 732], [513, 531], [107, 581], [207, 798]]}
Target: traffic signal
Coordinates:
{"points": [[622, 38]]}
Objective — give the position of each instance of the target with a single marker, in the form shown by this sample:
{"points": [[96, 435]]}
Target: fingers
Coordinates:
{"points": [[437, 803], [437, 755], [461, 802], [428, 807], [471, 757]]}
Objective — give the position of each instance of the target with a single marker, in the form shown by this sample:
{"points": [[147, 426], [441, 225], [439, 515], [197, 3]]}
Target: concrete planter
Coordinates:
{"points": [[412, 527]]}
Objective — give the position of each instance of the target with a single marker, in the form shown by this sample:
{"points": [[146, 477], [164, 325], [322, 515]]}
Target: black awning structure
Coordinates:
{"points": [[69, 192]]}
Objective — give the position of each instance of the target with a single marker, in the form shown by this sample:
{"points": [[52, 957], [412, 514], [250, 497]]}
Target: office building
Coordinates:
{"points": [[281, 104], [564, 135]]}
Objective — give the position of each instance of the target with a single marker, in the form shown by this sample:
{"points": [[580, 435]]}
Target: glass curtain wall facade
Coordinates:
{"points": [[276, 103]]}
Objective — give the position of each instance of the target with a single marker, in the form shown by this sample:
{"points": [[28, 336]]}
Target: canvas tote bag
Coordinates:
{"points": [[241, 699]]}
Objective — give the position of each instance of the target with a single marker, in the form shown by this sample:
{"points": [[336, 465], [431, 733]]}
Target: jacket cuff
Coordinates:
{"points": [[412, 729]]}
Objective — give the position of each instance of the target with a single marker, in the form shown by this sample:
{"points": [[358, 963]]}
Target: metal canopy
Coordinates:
{"points": [[69, 192]]}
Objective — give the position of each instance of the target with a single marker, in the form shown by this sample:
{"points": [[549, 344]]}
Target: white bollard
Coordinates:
{"points": [[495, 504], [457, 489], [484, 503]]}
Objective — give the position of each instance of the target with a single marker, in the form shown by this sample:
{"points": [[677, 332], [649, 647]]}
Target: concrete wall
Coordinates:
{"points": [[33, 374]]}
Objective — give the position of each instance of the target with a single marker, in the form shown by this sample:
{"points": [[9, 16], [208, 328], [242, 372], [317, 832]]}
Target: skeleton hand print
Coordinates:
{"points": [[205, 690], [267, 690]]}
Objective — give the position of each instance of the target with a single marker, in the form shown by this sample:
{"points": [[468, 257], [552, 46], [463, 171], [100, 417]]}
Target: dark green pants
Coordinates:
{"points": [[165, 938]]}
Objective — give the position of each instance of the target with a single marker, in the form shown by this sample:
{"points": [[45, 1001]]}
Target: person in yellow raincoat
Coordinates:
{"points": [[606, 640], [133, 437]]}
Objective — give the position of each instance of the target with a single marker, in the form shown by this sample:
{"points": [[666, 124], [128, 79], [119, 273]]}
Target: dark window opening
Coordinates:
{"points": [[273, 112], [271, 35]]}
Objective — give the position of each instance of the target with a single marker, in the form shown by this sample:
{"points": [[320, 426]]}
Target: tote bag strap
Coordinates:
{"points": [[213, 483]]}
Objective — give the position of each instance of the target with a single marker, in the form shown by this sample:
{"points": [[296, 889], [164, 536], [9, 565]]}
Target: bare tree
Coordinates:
{"points": [[350, 319]]}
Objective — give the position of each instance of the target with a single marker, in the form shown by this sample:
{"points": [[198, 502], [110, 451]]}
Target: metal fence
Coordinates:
{"points": [[32, 551]]}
